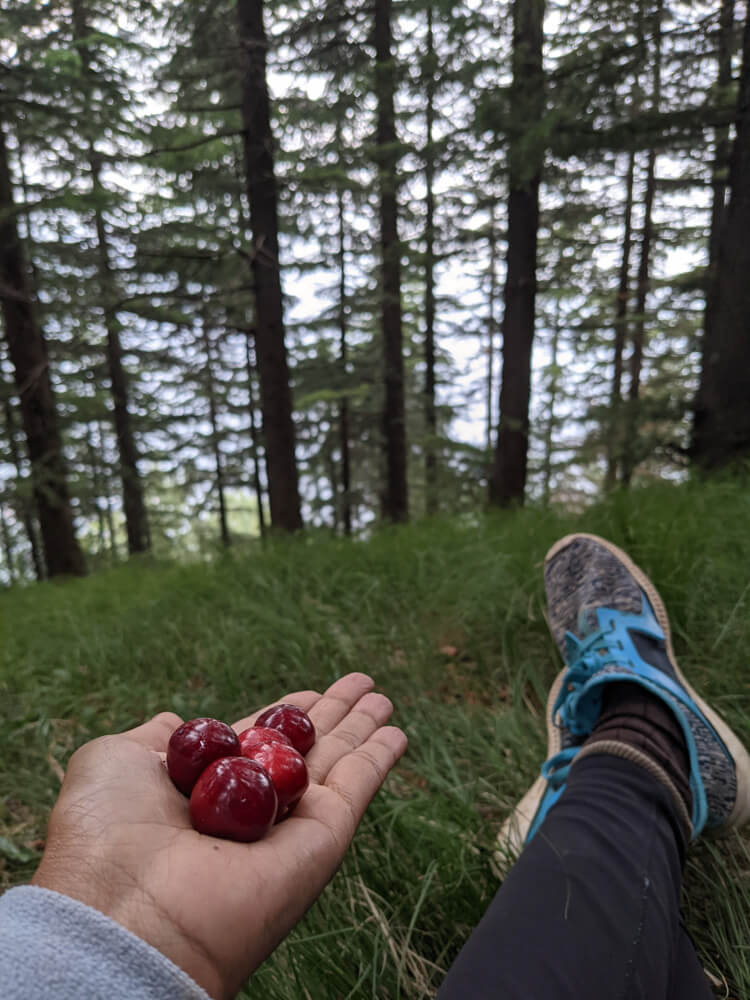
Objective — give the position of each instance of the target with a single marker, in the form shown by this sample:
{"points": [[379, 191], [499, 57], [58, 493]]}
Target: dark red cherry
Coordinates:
{"points": [[196, 744], [234, 798], [257, 736], [286, 768], [293, 723]]}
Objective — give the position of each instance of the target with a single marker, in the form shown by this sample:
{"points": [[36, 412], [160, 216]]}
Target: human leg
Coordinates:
{"points": [[621, 696], [687, 972], [591, 908]]}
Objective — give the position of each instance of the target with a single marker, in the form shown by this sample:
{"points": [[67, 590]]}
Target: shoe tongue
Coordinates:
{"points": [[588, 622]]}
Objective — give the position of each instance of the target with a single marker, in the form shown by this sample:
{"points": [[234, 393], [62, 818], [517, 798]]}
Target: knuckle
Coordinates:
{"points": [[303, 696], [347, 737], [373, 761], [346, 796], [168, 719]]}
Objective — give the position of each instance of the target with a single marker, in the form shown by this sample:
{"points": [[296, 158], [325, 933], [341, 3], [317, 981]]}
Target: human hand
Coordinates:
{"points": [[120, 838]]}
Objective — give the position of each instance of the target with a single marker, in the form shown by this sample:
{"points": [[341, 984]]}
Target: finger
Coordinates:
{"points": [[356, 777], [155, 733], [302, 699], [370, 713], [338, 700]]}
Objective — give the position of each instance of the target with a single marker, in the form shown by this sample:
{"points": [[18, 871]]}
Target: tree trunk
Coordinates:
{"points": [[251, 368], [430, 454], [491, 326], [346, 482], [630, 444], [257, 482], [136, 519], [723, 144], [329, 448], [8, 552], [25, 502], [215, 436], [108, 515], [549, 434], [526, 157], [632, 424], [395, 494], [96, 479], [614, 436], [26, 214], [28, 353], [721, 422], [270, 349]]}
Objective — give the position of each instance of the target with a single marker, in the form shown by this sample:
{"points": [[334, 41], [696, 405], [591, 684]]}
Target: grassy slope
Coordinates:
{"points": [[102, 654]]}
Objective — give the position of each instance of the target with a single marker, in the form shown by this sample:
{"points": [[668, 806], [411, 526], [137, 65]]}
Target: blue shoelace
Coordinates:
{"points": [[578, 706], [586, 658], [557, 768]]}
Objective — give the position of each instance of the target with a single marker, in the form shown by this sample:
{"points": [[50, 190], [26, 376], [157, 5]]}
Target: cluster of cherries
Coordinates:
{"points": [[239, 786]]}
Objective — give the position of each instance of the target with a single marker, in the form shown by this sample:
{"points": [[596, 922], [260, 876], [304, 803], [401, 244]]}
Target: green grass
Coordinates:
{"points": [[86, 657]]}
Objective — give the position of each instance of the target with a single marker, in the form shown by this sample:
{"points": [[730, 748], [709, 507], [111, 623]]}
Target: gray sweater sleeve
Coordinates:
{"points": [[54, 946]]}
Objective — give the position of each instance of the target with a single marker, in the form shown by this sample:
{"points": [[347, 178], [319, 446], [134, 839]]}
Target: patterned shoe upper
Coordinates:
{"points": [[579, 579], [607, 629]]}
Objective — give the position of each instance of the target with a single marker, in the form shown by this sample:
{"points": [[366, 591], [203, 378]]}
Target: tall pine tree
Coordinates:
{"points": [[721, 430], [395, 490], [526, 157], [270, 346], [28, 353]]}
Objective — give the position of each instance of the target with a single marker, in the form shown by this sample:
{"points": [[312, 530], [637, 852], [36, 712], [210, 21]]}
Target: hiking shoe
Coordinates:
{"points": [[610, 624]]}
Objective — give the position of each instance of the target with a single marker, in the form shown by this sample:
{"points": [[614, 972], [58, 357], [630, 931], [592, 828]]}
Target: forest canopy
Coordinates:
{"points": [[274, 266]]}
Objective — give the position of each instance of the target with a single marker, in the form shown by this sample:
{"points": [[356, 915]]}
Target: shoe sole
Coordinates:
{"points": [[512, 835]]}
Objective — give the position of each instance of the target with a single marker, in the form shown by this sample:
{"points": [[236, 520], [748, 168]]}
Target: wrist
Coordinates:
{"points": [[113, 892], [49, 936]]}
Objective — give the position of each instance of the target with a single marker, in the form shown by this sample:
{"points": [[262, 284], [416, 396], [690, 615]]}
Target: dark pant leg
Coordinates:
{"points": [[688, 978], [590, 911]]}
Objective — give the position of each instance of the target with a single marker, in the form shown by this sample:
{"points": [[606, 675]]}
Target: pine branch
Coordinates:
{"points": [[203, 141]]}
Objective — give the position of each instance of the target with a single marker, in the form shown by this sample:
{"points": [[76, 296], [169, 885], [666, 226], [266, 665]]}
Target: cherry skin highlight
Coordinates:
{"points": [[196, 744], [234, 798], [286, 768], [293, 723], [257, 736]]}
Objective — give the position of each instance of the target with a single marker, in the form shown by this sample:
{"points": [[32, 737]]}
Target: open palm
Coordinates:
{"points": [[120, 838]]}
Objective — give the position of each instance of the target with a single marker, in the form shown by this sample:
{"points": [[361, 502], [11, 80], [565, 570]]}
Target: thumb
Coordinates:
{"points": [[154, 734]]}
